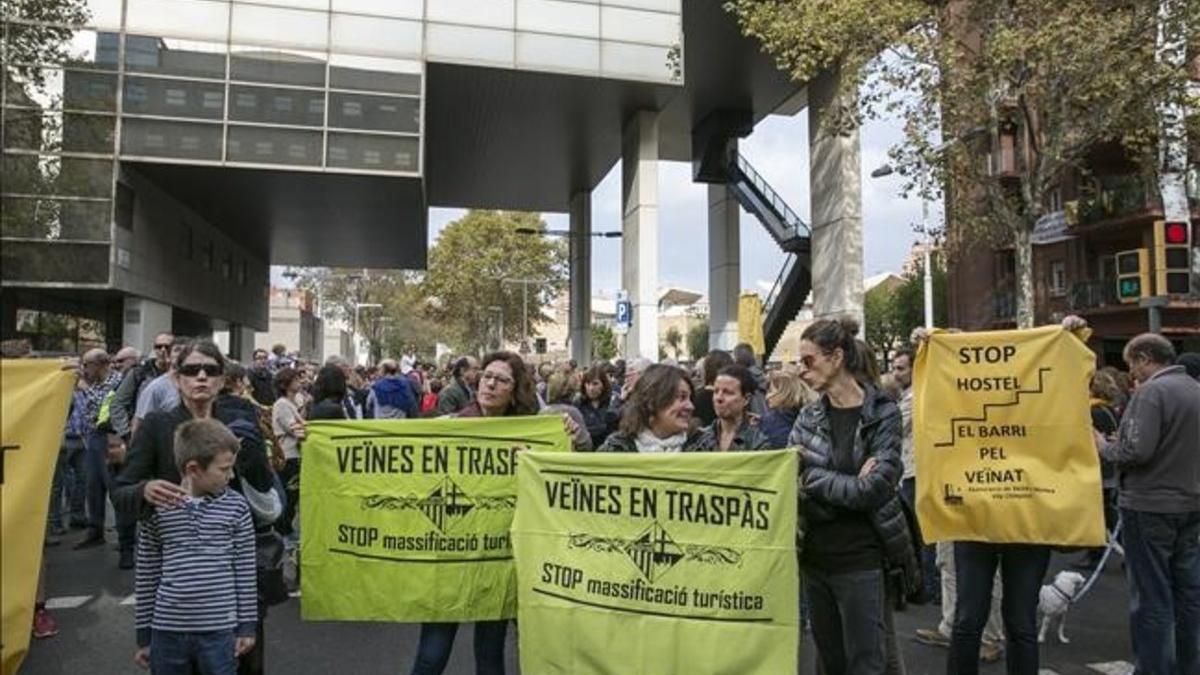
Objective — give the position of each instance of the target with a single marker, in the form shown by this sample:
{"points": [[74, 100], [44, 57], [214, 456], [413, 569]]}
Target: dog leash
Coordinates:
{"points": [[1112, 540]]}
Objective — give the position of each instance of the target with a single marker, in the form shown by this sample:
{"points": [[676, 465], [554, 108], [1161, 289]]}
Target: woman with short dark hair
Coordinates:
{"points": [[593, 401], [733, 429], [657, 416], [328, 394]]}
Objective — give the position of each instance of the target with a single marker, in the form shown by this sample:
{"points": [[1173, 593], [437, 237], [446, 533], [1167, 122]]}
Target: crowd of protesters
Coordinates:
{"points": [[188, 428]]}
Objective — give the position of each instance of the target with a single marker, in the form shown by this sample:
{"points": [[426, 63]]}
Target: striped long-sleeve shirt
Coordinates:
{"points": [[195, 568]]}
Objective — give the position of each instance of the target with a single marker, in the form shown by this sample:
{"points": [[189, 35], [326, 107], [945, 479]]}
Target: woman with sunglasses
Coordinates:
{"points": [[151, 478], [855, 527], [505, 389]]}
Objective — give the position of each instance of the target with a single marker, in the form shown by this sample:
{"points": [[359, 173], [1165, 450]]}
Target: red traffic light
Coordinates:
{"points": [[1175, 233]]}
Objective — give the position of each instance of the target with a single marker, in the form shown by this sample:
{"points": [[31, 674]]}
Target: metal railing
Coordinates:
{"points": [[777, 288], [1092, 294], [795, 227], [1124, 195]]}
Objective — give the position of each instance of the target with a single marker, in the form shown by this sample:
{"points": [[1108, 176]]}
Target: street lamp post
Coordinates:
{"points": [[524, 306], [354, 328], [610, 234], [927, 239]]}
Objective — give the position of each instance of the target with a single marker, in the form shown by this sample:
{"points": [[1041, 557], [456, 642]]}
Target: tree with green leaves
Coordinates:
{"points": [[481, 262], [604, 342], [1055, 80], [673, 338], [400, 320], [697, 339], [891, 313]]}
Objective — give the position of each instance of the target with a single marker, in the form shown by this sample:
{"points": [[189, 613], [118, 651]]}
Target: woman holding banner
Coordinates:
{"points": [[732, 429], [505, 389], [849, 444], [658, 416]]}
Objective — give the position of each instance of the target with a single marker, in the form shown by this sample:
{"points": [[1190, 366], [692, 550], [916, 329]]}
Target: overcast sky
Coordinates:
{"points": [[778, 148]]}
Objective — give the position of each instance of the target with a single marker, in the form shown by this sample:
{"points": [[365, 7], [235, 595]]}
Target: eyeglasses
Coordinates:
{"points": [[158, 347], [193, 369], [497, 378]]}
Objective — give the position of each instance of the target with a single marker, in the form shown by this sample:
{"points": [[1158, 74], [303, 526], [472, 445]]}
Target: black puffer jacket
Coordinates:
{"points": [[878, 437]]}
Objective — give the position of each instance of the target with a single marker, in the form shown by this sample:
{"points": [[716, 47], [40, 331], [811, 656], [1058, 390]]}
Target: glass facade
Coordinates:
{"points": [[321, 85]]}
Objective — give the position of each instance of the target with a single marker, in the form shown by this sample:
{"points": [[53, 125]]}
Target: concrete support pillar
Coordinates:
{"points": [[724, 267], [143, 319], [241, 342], [580, 243], [639, 246], [835, 181]]}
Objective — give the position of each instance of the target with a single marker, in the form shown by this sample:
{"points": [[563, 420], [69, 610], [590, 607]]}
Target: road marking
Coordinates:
{"points": [[1112, 667], [68, 602], [131, 600], [1047, 671]]}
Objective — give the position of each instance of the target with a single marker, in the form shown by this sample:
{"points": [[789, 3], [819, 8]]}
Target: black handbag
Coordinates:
{"points": [[268, 554]]}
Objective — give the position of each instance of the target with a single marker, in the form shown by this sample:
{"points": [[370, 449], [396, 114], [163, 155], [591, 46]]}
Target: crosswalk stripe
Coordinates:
{"points": [[68, 602], [1047, 671], [131, 600], [1112, 667]]}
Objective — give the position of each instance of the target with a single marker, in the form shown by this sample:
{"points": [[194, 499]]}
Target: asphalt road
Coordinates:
{"points": [[92, 601]]}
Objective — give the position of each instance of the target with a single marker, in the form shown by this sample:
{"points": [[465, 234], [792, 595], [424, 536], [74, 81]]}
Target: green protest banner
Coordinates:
{"points": [[652, 564], [408, 520]]}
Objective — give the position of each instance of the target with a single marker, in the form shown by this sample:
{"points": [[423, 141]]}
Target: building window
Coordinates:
{"points": [[241, 273], [208, 255], [283, 103], [176, 97], [352, 109], [212, 99], [247, 100], [1054, 201], [189, 142], [124, 208], [1058, 278], [227, 266], [297, 151]]}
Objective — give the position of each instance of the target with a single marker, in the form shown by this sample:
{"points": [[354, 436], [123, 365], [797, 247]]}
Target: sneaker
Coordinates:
{"points": [[126, 561], [44, 625], [57, 530], [932, 637], [990, 652]]}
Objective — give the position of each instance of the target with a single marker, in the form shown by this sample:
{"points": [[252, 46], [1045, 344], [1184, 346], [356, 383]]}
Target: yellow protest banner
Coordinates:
{"points": [[35, 396], [1003, 439], [650, 564], [750, 321], [408, 520]]}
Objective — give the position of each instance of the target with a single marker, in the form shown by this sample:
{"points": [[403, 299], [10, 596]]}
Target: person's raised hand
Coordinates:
{"points": [[1073, 322], [919, 335], [570, 425], [164, 494]]}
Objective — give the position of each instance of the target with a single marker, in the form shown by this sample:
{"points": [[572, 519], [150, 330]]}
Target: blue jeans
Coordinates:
{"points": [[1162, 560], [437, 641], [99, 482], [70, 484], [1022, 567], [174, 653]]}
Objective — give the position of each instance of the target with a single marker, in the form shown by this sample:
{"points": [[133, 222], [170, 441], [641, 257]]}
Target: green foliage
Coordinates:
{"points": [[891, 314], [402, 320], [468, 264], [673, 338], [697, 339], [604, 342], [1057, 77]]}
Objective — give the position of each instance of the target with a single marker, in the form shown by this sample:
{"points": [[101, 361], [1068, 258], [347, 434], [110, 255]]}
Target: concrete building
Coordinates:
{"points": [[182, 146], [293, 323]]}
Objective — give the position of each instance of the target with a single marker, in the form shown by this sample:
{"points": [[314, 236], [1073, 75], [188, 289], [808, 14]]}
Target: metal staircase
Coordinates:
{"points": [[795, 279]]}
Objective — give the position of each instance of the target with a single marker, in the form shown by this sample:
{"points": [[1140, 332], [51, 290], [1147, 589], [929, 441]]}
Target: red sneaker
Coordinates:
{"points": [[44, 625]]}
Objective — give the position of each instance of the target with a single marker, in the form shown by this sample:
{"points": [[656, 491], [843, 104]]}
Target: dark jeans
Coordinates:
{"points": [[930, 574], [1022, 567], [192, 653], [290, 476], [437, 641], [1162, 561], [100, 478], [848, 621], [70, 484]]}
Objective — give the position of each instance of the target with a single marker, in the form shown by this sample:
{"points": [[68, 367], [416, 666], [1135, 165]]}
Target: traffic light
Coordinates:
{"points": [[1172, 257], [1133, 275]]}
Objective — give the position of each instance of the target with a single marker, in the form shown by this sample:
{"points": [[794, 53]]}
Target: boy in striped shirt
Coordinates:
{"points": [[195, 582]]}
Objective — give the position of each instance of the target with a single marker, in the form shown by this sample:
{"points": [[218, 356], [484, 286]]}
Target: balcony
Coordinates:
{"points": [[1086, 295], [1118, 197]]}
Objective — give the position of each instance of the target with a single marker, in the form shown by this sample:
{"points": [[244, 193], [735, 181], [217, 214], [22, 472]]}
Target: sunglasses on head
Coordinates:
{"points": [[193, 369]]}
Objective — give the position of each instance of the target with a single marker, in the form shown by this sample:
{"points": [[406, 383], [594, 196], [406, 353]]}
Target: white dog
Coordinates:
{"points": [[1055, 599]]}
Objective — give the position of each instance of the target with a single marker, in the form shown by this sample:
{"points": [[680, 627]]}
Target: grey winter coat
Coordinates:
{"points": [[878, 436]]}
